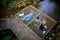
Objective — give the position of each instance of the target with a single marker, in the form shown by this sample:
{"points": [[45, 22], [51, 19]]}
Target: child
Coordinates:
{"points": [[37, 22], [41, 27]]}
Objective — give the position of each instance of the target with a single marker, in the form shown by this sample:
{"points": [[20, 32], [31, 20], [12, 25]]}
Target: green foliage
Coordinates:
{"points": [[7, 35], [5, 3], [29, 1]]}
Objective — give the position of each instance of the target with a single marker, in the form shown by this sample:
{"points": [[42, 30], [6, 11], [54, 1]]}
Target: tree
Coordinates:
{"points": [[5, 3]]}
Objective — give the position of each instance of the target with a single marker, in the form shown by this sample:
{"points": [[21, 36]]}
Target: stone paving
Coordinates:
{"points": [[21, 30]]}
